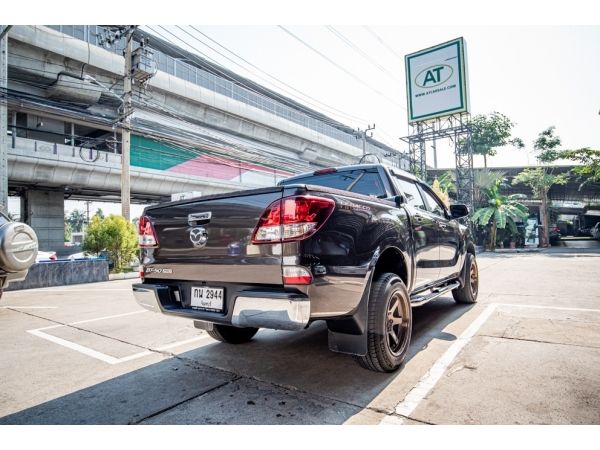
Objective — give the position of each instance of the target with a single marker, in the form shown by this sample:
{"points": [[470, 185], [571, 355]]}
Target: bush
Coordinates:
{"points": [[114, 235]]}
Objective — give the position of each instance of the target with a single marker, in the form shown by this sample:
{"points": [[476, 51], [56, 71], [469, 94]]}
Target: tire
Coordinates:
{"points": [[389, 325], [232, 335], [467, 294]]}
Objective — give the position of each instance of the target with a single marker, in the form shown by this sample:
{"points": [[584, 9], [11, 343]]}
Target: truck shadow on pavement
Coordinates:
{"points": [[278, 378]]}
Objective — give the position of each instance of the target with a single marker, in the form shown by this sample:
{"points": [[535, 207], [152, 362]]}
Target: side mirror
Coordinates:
{"points": [[458, 211], [400, 200]]}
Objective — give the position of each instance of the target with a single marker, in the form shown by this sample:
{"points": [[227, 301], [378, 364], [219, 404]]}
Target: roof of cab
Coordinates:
{"points": [[394, 170]]}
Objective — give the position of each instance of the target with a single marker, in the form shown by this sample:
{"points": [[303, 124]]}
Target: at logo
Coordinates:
{"points": [[434, 76]]}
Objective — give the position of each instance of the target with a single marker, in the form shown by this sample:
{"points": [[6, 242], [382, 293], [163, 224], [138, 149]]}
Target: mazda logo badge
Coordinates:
{"points": [[198, 236]]}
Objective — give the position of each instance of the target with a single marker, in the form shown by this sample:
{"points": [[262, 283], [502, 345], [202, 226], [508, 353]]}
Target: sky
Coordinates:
{"points": [[538, 66]]}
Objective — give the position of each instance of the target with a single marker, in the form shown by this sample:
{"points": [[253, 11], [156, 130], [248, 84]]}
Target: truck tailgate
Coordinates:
{"points": [[216, 249]]}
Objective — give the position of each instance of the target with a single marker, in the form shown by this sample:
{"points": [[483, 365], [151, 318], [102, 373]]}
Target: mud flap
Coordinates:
{"points": [[349, 335]]}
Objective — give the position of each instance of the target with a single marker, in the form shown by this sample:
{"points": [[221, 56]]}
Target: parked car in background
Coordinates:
{"points": [[18, 250], [81, 255], [554, 234], [584, 231], [45, 256], [596, 231]]}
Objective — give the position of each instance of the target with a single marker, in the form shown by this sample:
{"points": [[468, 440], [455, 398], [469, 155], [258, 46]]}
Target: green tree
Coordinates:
{"points": [[490, 132], [442, 194], [68, 231], [540, 181], [115, 235], [444, 185], [99, 213], [588, 170], [121, 240], [95, 240], [76, 219], [501, 212]]}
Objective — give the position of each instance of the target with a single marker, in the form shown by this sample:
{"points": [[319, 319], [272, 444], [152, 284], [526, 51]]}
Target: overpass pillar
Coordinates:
{"points": [[45, 213]]}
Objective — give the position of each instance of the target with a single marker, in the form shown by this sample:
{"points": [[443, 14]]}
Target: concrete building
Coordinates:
{"points": [[196, 126]]}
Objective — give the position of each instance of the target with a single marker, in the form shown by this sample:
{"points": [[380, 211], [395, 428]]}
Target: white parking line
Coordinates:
{"points": [[28, 307], [73, 346], [110, 317], [39, 332], [433, 375], [558, 308], [62, 289]]}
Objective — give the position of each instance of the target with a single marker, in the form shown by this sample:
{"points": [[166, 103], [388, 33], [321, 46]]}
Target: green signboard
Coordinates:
{"points": [[436, 81]]}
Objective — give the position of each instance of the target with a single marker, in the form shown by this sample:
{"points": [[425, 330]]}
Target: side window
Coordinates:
{"points": [[411, 191], [433, 204]]}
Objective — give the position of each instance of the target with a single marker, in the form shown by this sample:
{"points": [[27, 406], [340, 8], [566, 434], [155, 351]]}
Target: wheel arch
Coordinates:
{"points": [[393, 260]]}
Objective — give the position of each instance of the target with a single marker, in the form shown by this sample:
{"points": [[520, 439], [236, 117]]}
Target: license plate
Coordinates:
{"points": [[207, 298]]}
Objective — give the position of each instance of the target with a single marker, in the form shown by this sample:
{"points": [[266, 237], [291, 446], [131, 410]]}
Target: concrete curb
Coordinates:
{"points": [[123, 276], [516, 250]]}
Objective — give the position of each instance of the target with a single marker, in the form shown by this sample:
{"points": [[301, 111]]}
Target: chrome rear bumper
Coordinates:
{"points": [[268, 312], [274, 310]]}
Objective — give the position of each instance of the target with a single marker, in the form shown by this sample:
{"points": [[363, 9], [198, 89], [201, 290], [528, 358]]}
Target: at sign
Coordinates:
{"points": [[436, 81], [434, 76]]}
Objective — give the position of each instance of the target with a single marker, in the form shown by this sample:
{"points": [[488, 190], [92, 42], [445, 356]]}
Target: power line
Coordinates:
{"points": [[361, 52], [342, 113], [334, 125], [382, 42], [347, 72], [245, 86], [392, 140]]}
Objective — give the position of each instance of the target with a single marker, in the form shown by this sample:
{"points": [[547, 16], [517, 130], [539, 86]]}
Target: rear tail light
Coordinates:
{"points": [[292, 219], [146, 234], [296, 275]]}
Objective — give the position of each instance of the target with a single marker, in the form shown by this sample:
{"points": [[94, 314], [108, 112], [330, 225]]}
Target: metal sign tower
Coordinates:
{"points": [[457, 128]]}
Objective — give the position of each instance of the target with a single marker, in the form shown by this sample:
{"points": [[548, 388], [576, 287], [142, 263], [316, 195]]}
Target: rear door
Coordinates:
{"points": [[210, 239], [448, 233], [425, 232]]}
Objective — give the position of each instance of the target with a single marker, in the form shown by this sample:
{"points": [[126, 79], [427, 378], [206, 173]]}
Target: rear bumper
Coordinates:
{"points": [[278, 310]]}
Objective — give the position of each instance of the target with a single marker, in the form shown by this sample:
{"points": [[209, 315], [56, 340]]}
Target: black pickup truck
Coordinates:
{"points": [[356, 246]]}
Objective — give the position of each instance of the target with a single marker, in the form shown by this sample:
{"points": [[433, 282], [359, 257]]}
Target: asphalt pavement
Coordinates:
{"points": [[527, 353]]}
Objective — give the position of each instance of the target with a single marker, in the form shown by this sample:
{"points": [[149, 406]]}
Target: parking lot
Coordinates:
{"points": [[527, 353]]}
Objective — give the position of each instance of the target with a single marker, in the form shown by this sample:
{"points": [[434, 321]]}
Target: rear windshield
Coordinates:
{"points": [[362, 181]]}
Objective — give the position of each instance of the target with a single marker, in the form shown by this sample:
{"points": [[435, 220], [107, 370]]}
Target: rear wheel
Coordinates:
{"points": [[389, 326], [468, 292], [232, 335]]}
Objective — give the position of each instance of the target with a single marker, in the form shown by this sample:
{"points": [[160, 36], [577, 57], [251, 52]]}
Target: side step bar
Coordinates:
{"points": [[419, 300]]}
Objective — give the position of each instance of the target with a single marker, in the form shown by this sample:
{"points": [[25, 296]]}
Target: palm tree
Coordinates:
{"points": [[501, 212], [76, 219], [486, 179]]}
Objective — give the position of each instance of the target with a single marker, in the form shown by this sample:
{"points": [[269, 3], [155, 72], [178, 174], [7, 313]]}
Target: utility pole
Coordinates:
{"points": [[363, 135], [4, 119], [126, 128], [434, 154]]}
